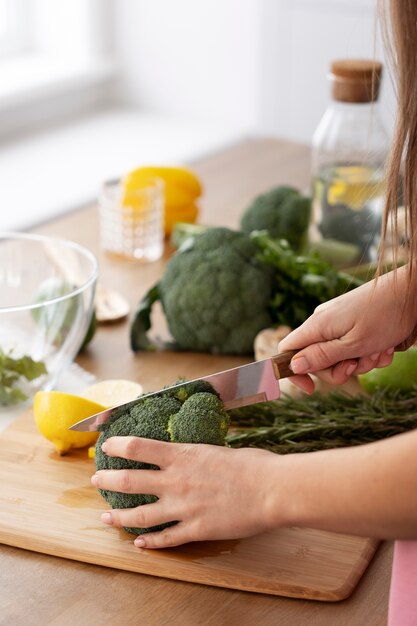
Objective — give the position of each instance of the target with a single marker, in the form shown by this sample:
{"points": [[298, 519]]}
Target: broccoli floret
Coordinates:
{"points": [[283, 212], [213, 289], [199, 418]]}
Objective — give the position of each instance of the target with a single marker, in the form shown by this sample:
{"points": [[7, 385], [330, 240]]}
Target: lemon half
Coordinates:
{"points": [[55, 412], [112, 392]]}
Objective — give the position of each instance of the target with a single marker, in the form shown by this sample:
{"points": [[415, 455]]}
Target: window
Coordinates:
{"points": [[15, 32], [48, 47]]}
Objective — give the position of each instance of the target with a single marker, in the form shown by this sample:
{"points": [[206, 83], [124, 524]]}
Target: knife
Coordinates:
{"points": [[239, 386]]}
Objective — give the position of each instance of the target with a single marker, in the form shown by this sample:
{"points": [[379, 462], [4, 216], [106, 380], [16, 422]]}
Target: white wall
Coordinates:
{"points": [[259, 65], [191, 58], [301, 38]]}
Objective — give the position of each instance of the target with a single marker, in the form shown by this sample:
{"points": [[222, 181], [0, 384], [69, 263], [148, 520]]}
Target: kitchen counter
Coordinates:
{"points": [[37, 589]]}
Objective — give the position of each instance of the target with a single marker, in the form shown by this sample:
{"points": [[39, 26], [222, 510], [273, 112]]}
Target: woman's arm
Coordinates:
{"points": [[369, 490], [220, 493]]}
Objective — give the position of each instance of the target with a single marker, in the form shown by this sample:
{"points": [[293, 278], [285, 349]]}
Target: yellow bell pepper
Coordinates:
{"points": [[178, 177], [188, 213], [181, 189]]}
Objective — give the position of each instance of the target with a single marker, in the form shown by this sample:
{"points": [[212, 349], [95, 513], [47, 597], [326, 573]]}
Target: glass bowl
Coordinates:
{"points": [[47, 288]]}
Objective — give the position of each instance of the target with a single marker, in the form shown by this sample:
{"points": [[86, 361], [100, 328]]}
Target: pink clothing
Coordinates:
{"points": [[403, 593]]}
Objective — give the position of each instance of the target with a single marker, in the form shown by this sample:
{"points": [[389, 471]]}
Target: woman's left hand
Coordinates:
{"points": [[214, 492]]}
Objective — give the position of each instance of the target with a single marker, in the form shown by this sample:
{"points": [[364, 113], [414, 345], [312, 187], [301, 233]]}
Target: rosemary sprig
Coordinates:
{"points": [[321, 422]]}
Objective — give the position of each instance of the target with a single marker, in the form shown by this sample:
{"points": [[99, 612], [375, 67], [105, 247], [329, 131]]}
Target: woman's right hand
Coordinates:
{"points": [[355, 332]]}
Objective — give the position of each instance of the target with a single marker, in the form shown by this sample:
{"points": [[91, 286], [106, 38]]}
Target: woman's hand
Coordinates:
{"points": [[353, 333], [220, 493], [214, 492]]}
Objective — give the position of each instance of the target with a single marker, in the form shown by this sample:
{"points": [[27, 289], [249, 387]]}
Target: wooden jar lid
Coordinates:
{"points": [[356, 80]]}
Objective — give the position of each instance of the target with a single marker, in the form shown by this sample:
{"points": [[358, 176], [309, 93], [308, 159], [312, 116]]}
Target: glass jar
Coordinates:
{"points": [[348, 163]]}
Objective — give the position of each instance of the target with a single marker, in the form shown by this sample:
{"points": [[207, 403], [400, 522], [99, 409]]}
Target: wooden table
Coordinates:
{"points": [[43, 590]]}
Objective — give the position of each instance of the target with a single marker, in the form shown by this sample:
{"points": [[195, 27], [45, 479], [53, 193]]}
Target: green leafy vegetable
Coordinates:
{"points": [[300, 283], [12, 371]]}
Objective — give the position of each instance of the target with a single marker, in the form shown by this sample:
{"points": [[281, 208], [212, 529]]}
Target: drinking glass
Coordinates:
{"points": [[132, 221]]}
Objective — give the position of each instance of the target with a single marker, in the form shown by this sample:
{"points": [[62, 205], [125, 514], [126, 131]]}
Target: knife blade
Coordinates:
{"points": [[239, 386]]}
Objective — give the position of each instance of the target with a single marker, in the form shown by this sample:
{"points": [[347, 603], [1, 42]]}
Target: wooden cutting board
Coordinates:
{"points": [[48, 505]]}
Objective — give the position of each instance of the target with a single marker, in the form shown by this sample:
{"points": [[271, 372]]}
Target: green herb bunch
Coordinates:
{"points": [[319, 422]]}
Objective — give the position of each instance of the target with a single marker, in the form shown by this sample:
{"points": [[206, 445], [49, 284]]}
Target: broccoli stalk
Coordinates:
{"points": [[142, 321], [192, 413]]}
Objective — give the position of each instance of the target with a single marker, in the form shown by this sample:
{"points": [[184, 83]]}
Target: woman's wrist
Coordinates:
{"points": [[280, 475]]}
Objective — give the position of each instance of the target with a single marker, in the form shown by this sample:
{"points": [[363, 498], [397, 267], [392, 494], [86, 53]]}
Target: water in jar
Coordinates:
{"points": [[348, 203]]}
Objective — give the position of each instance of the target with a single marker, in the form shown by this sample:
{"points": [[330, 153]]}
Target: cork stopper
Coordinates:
{"points": [[355, 80]]}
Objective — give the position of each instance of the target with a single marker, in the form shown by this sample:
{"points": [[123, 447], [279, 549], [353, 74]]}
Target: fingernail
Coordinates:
{"points": [[104, 446], [106, 518], [389, 351], [300, 365], [375, 356], [140, 542], [350, 369], [94, 479]]}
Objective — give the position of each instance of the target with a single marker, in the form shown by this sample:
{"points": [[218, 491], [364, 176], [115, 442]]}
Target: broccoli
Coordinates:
{"points": [[191, 414], [214, 293], [283, 212], [222, 287]]}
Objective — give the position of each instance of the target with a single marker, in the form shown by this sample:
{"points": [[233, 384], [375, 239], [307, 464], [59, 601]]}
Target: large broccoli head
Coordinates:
{"points": [[283, 212], [215, 294], [192, 413]]}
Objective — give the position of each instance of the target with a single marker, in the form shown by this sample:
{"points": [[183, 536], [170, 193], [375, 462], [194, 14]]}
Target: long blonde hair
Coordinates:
{"points": [[399, 20]]}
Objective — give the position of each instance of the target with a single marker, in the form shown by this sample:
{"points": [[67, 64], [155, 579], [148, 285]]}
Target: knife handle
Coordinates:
{"points": [[281, 364]]}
